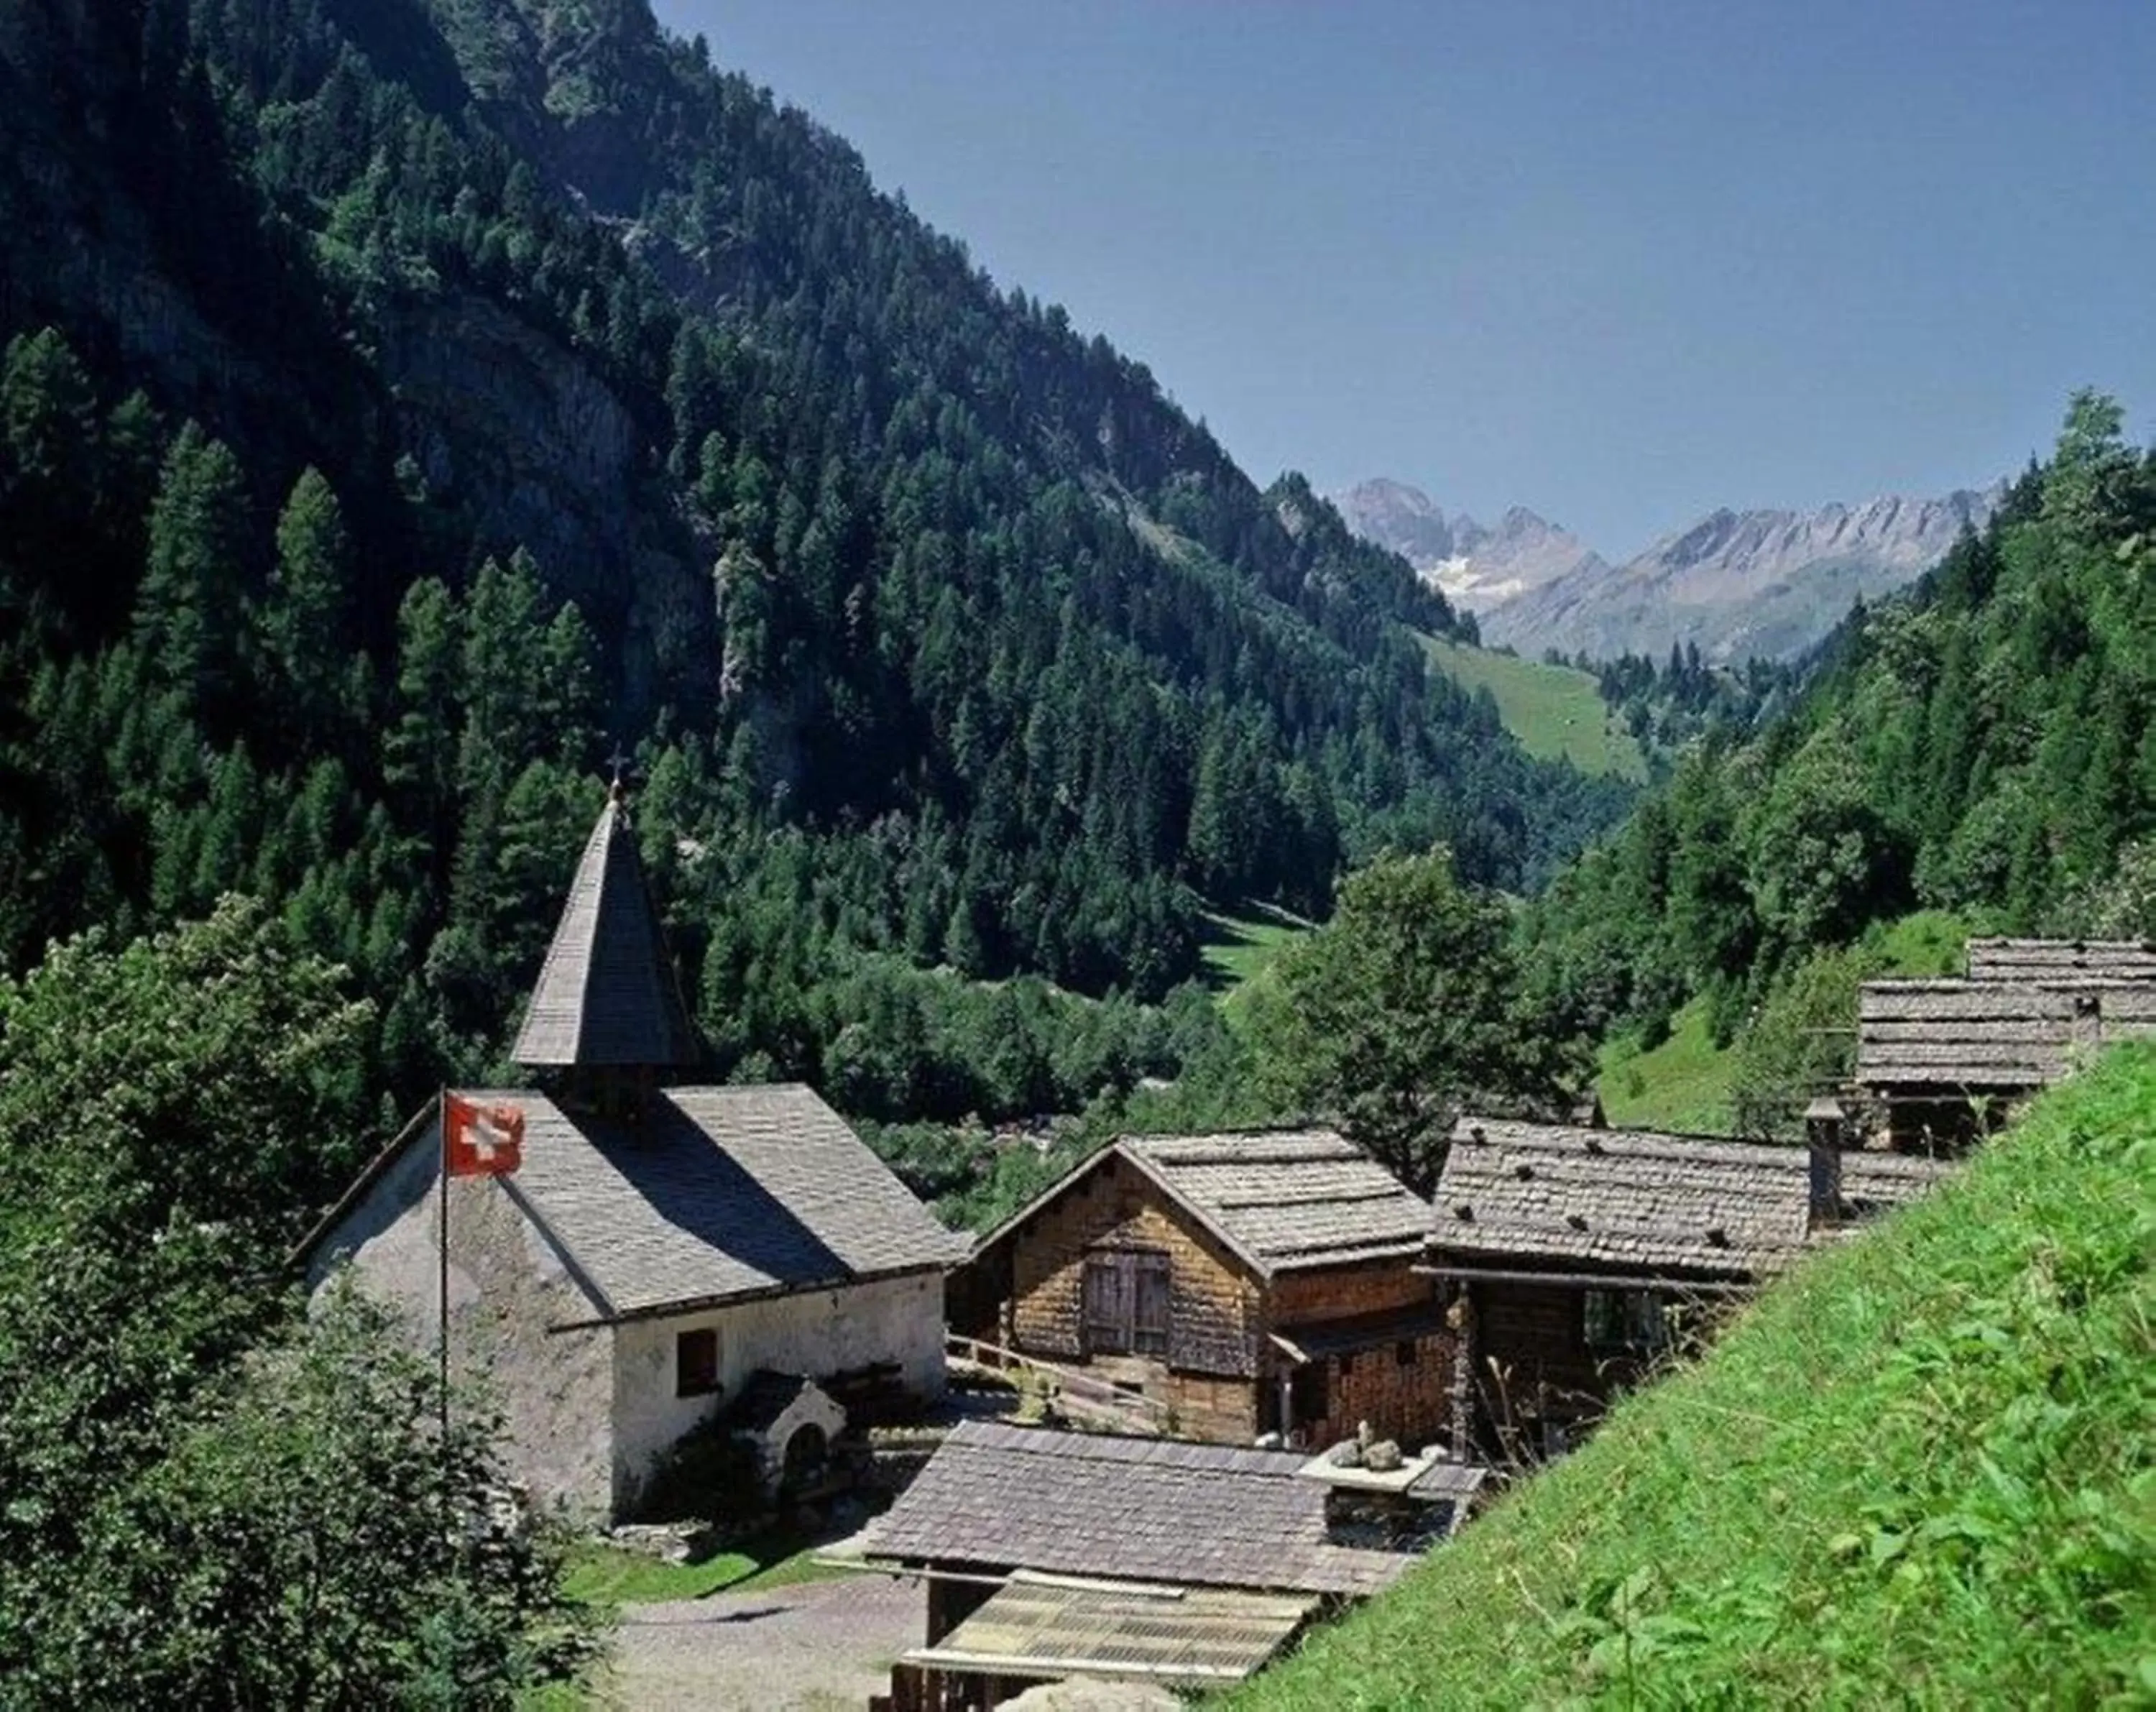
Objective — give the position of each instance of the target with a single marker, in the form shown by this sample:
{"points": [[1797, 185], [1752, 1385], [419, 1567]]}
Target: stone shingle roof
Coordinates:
{"points": [[1081, 1504], [1992, 1035], [2043, 959], [607, 994], [1285, 1200], [720, 1193], [1641, 1201]]}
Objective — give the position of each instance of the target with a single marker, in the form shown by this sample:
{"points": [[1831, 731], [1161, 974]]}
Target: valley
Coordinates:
{"points": [[682, 881]]}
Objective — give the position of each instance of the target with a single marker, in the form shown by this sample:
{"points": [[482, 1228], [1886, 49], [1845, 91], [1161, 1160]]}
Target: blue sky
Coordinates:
{"points": [[1619, 261]]}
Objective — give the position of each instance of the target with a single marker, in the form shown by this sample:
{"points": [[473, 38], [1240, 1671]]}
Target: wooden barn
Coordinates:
{"points": [[1945, 1062], [1247, 1284], [1573, 1257], [1051, 1555]]}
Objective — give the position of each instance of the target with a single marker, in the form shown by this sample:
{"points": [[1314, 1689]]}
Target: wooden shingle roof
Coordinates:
{"points": [[1641, 1201], [1279, 1200], [1285, 1199], [607, 995], [1998, 959], [1992, 1035], [719, 1194], [1082, 1504]]}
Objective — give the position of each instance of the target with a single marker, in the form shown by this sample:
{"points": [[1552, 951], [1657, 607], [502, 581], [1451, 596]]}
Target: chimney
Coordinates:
{"points": [[1824, 1126]]}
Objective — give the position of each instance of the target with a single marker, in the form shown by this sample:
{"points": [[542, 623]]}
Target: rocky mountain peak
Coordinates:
{"points": [[1737, 582], [1476, 566]]}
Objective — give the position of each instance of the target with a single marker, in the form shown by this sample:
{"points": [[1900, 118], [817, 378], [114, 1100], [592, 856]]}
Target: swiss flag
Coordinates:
{"points": [[482, 1140]]}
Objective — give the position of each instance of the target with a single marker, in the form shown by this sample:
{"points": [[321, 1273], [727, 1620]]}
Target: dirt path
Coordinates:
{"points": [[815, 1646]]}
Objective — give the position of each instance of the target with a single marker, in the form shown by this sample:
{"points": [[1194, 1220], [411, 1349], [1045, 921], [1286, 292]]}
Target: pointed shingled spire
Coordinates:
{"points": [[606, 996]]}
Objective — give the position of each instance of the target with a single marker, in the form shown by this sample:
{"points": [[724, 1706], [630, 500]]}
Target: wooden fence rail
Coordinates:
{"points": [[1077, 1393]]}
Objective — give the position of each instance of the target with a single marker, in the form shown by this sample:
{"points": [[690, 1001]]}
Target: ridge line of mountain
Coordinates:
{"points": [[1766, 581]]}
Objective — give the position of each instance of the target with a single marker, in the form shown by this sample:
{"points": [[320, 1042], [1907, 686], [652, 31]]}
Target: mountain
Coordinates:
{"points": [[1737, 585], [1477, 568], [1740, 585], [407, 401]]}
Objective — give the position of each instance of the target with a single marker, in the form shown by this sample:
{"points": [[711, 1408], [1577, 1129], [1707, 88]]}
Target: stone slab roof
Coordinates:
{"points": [[607, 995], [1148, 1509], [721, 1193], [1642, 1202], [1992, 1035], [1998, 959]]}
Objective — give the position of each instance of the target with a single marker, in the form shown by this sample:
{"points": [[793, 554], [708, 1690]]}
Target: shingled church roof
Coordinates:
{"points": [[606, 995], [717, 1195]]}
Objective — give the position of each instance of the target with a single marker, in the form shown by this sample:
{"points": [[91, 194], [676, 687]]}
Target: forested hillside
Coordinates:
{"points": [[405, 404], [1983, 743]]}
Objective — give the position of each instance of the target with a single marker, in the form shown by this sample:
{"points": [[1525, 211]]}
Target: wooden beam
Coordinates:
{"points": [[1590, 1281]]}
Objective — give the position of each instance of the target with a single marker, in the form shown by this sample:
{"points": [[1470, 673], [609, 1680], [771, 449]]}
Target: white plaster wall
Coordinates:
{"points": [[508, 1288], [819, 1333]]}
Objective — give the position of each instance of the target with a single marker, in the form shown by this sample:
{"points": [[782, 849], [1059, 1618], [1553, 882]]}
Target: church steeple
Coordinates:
{"points": [[607, 1000]]}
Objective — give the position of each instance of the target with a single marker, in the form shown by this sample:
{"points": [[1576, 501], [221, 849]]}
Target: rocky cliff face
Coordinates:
{"points": [[519, 440], [1738, 584]]}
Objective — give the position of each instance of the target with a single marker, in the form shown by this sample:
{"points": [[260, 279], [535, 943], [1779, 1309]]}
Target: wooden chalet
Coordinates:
{"points": [[1947, 1061], [1246, 1284], [1052, 1555], [1571, 1256]]}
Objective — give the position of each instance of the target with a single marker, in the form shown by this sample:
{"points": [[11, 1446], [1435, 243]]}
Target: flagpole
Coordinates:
{"points": [[441, 1281]]}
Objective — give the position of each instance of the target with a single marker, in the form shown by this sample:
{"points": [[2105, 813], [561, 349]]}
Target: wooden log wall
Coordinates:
{"points": [[1409, 1399], [1216, 1315]]}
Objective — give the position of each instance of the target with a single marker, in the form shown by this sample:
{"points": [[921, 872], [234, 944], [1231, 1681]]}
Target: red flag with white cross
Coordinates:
{"points": [[482, 1139]]}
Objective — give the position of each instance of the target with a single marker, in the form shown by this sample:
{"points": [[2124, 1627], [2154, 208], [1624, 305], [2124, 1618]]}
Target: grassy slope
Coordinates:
{"points": [[1238, 946], [1238, 954], [1554, 710], [1684, 1083], [1919, 1471]]}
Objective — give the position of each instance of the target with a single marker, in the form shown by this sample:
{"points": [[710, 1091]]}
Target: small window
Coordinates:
{"points": [[1404, 1353], [697, 1362], [1126, 1299], [1624, 1319], [1346, 1365]]}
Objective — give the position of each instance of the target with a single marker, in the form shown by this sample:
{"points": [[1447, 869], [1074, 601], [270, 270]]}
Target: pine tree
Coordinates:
{"points": [[302, 621], [188, 611], [419, 753]]}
